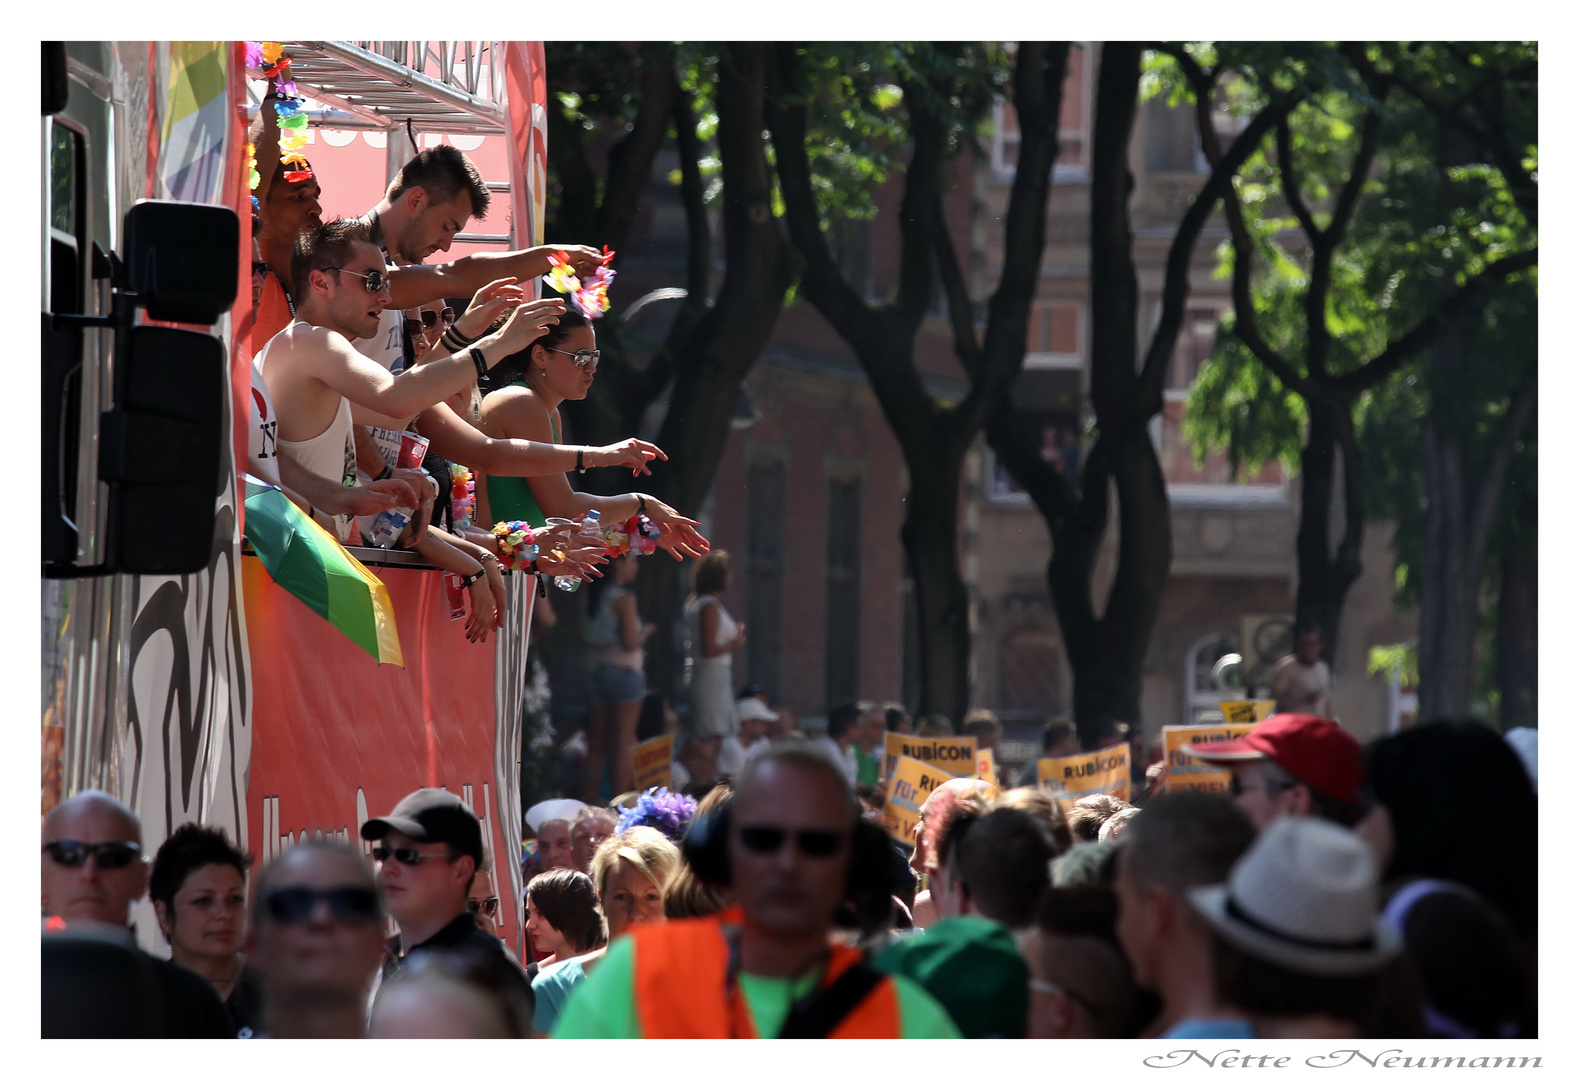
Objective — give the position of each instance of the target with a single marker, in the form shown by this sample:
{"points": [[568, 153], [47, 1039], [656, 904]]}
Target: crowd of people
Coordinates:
{"points": [[1334, 891]]}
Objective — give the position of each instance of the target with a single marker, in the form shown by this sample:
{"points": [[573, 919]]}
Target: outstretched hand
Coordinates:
{"points": [[528, 323], [632, 454], [488, 303], [584, 259]]}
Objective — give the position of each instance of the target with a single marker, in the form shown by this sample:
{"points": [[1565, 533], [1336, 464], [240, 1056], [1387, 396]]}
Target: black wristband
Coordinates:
{"points": [[468, 582], [641, 504], [581, 465], [480, 360], [389, 470]]}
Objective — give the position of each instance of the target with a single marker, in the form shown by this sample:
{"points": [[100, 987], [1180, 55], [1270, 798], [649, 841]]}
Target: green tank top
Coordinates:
{"points": [[510, 498]]}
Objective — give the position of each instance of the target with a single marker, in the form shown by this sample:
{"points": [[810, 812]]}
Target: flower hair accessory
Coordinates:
{"points": [[517, 544], [463, 496], [590, 295], [667, 811]]}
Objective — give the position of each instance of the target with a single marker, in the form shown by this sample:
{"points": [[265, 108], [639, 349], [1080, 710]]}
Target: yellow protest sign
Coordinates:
{"points": [[1187, 772], [1246, 712], [651, 762], [1069, 779], [955, 755], [986, 768], [908, 788]]}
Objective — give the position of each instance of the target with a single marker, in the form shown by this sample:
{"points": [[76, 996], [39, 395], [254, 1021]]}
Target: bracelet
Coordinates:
{"points": [[480, 360], [581, 465], [389, 470], [468, 582], [490, 556], [641, 505], [456, 339]]}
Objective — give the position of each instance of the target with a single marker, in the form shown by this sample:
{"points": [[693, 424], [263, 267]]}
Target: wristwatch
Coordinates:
{"points": [[471, 580]]}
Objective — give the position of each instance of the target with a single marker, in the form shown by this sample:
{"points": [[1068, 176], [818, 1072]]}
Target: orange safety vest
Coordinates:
{"points": [[681, 992]]}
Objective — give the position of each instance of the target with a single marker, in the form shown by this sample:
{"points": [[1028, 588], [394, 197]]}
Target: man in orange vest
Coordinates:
{"points": [[766, 967]]}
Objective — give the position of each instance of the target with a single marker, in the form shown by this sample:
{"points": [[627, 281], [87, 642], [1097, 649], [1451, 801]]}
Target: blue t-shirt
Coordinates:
{"points": [[1202, 1029], [552, 988]]}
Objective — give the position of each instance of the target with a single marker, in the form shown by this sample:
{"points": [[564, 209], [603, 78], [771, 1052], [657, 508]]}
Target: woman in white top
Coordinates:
{"points": [[713, 639]]}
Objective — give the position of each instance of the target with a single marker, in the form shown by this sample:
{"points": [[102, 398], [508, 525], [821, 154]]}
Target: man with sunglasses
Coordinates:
{"points": [[428, 850], [314, 375], [317, 938], [767, 967], [93, 871]]}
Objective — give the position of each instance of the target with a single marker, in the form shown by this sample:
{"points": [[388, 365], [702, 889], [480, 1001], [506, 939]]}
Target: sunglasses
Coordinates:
{"points": [[582, 358], [1271, 788], [110, 856], [374, 281], [351, 905], [406, 856], [815, 843], [485, 907]]}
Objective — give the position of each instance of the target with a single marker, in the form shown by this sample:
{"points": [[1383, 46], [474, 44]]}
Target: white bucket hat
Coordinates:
{"points": [[1304, 898], [553, 810]]}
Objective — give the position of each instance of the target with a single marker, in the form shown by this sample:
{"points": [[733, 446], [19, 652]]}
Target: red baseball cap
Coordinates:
{"points": [[1312, 749]]}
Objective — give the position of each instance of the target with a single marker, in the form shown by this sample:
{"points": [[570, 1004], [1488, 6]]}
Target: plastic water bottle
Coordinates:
{"points": [[591, 529]]}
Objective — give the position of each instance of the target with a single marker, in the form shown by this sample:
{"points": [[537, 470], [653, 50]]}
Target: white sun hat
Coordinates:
{"points": [[1304, 897]]}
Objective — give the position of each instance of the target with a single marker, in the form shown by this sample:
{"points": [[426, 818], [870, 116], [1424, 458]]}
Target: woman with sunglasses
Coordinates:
{"points": [[199, 890], [559, 367], [630, 871]]}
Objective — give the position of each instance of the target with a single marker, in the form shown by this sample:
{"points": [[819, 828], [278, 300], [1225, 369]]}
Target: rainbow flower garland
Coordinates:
{"points": [[517, 544], [270, 57], [591, 295], [463, 496]]}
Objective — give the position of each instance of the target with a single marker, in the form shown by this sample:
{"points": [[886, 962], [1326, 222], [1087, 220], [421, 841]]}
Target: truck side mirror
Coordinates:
{"points": [[181, 259]]}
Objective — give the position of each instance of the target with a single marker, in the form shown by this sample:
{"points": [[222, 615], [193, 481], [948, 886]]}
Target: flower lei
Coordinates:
{"points": [[463, 496], [591, 295], [667, 811], [637, 534], [269, 56], [517, 544]]}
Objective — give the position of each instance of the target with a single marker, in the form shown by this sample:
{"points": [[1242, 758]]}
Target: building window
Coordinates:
{"points": [[1055, 335], [1074, 122], [1201, 693], [765, 574], [1196, 338], [842, 670]]}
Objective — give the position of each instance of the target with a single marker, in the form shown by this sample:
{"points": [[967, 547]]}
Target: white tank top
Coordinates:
{"points": [[330, 454]]}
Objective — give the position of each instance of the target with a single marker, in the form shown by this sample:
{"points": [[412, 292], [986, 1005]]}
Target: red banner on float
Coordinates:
{"points": [[339, 738]]}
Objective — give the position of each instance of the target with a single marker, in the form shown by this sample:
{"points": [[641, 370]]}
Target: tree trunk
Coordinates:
{"points": [[718, 350], [1324, 576], [1517, 626], [1451, 584], [930, 535]]}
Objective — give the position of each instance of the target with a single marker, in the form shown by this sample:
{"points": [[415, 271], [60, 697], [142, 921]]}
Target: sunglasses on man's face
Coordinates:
{"points": [[406, 856], [110, 856], [352, 905], [486, 907], [373, 280], [815, 843]]}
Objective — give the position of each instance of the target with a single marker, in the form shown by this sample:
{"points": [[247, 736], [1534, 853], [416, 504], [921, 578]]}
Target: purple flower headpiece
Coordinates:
{"points": [[667, 811]]}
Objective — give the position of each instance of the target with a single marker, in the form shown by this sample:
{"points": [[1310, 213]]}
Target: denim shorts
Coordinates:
{"points": [[616, 685]]}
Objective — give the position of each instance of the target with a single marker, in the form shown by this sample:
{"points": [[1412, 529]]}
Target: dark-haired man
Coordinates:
{"points": [[1301, 681], [428, 849], [314, 375], [765, 967]]}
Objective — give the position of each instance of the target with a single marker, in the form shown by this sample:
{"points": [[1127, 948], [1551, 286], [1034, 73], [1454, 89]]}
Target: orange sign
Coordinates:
{"points": [[652, 763], [1101, 772], [1186, 772]]}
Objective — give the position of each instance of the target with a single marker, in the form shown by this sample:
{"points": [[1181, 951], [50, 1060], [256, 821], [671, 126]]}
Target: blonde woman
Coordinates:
{"points": [[630, 871]]}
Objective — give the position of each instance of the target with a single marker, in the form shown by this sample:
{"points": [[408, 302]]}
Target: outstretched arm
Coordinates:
{"points": [[421, 284]]}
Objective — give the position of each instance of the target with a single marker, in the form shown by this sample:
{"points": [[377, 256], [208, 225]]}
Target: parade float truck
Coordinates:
{"points": [[179, 674]]}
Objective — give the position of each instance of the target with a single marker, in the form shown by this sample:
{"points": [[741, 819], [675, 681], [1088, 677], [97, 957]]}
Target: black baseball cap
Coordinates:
{"points": [[431, 815]]}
